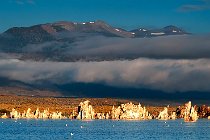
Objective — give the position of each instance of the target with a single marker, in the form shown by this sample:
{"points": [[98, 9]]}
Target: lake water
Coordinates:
{"points": [[104, 130]]}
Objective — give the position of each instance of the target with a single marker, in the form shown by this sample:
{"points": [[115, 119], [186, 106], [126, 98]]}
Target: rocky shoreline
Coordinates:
{"points": [[26, 107]]}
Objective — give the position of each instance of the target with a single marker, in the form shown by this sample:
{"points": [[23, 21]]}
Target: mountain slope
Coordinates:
{"points": [[49, 31], [55, 41], [168, 30]]}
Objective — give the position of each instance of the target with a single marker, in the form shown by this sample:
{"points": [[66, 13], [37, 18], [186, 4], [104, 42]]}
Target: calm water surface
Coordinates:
{"points": [[103, 130]]}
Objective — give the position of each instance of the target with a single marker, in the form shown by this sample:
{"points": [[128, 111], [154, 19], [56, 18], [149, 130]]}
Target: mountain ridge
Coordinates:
{"points": [[52, 41], [97, 26]]}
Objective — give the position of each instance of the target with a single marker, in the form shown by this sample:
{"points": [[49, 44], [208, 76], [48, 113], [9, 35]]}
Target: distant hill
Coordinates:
{"points": [[51, 41], [91, 90]]}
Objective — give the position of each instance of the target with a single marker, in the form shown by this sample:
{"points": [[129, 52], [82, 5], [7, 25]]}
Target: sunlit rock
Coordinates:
{"points": [[85, 111], [4, 116], [116, 112], [23, 115], [73, 115], [190, 114], [107, 116], [100, 116], [56, 115], [164, 114], [14, 114], [46, 114], [173, 116], [29, 115], [209, 117], [36, 115], [130, 111]]}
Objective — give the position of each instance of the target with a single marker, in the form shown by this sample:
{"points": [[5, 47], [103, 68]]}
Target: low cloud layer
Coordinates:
{"points": [[166, 75], [185, 46], [166, 47]]}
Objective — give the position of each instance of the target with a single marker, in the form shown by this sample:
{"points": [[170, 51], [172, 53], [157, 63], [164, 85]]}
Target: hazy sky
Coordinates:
{"points": [[192, 15]]}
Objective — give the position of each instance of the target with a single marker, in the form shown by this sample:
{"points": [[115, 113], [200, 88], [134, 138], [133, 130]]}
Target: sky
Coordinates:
{"points": [[191, 15]]}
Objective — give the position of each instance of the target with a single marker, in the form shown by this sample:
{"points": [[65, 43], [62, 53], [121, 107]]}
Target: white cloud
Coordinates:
{"points": [[166, 74]]}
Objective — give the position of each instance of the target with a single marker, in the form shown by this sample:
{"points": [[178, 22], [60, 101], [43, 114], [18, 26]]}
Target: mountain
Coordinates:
{"points": [[168, 30], [52, 41], [52, 31]]}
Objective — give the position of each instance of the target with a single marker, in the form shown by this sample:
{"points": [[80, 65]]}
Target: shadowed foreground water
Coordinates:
{"points": [[103, 129]]}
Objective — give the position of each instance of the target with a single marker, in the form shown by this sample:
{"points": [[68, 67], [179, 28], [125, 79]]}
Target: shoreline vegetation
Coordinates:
{"points": [[19, 107]]}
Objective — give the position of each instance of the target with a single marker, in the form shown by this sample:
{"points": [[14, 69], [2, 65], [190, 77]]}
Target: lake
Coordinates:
{"points": [[104, 130]]}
